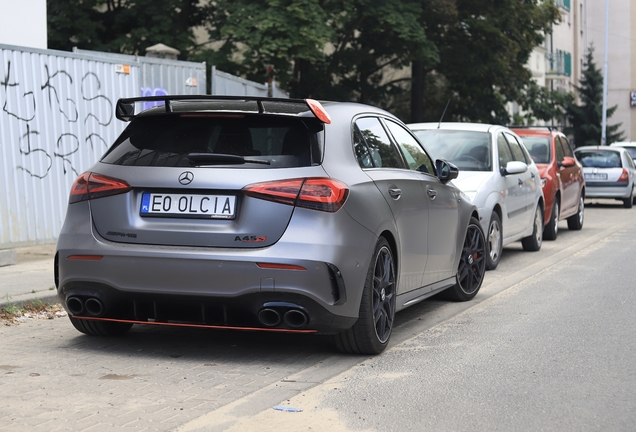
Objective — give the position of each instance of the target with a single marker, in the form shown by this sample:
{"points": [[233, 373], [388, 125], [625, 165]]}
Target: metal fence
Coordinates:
{"points": [[57, 119]]}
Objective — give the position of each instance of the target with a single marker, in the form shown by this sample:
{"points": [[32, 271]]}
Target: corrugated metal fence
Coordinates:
{"points": [[57, 119]]}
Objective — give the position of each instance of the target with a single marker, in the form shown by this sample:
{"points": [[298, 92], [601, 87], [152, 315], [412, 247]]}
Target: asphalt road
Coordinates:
{"points": [[548, 344]]}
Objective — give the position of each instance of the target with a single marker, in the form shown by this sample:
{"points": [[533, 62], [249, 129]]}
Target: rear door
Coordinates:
{"points": [[570, 177], [402, 191], [443, 211]]}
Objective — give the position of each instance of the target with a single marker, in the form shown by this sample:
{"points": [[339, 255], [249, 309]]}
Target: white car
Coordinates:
{"points": [[498, 175], [609, 172], [630, 146]]}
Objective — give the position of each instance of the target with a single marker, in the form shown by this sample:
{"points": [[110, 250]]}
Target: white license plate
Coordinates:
{"points": [[188, 205], [595, 176]]}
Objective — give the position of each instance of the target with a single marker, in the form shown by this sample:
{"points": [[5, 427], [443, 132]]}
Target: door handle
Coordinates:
{"points": [[395, 193], [432, 193], [520, 182]]}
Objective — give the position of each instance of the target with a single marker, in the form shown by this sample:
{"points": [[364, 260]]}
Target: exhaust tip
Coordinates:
{"points": [[94, 307], [75, 305], [269, 317], [295, 318]]}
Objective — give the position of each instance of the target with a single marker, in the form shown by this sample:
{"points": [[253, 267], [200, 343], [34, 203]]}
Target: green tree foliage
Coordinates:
{"points": [[587, 118], [484, 47], [123, 26], [543, 104]]}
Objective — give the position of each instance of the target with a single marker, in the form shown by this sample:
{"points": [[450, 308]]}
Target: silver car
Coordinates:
{"points": [[498, 175], [252, 213], [609, 172]]}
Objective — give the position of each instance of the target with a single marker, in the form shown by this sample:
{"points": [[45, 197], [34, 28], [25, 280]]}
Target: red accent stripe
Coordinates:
{"points": [[275, 330]]}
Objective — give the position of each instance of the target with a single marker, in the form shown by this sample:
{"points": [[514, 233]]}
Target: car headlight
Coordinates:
{"points": [[543, 182], [471, 195]]}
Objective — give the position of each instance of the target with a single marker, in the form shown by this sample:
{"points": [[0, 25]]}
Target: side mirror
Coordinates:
{"points": [[446, 171], [568, 162], [514, 167]]}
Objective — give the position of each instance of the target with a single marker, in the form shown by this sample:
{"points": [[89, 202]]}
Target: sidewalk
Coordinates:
{"points": [[30, 278]]}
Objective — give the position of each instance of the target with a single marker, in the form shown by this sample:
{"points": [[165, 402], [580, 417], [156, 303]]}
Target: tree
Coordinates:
{"points": [[483, 48], [586, 118], [123, 26], [543, 104]]}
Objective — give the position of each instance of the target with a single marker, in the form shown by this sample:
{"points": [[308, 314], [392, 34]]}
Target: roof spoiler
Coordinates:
{"points": [[125, 108]]}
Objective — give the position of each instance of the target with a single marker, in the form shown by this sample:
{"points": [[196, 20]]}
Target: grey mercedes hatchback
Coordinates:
{"points": [[285, 215]]}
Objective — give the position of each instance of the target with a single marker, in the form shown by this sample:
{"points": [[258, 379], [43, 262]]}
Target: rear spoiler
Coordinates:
{"points": [[125, 108]]}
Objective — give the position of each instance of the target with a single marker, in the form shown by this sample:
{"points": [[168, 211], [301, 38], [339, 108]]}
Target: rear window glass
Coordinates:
{"points": [[539, 148], [599, 159], [274, 142]]}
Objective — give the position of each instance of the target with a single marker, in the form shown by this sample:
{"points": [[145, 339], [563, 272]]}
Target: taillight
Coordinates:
{"points": [[624, 176], [92, 186], [321, 194]]}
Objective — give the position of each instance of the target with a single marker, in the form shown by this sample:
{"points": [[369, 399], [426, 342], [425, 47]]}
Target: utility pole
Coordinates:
{"points": [[604, 123]]}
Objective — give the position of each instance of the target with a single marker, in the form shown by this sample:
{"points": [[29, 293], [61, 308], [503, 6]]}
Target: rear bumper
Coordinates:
{"points": [[601, 190], [214, 286]]}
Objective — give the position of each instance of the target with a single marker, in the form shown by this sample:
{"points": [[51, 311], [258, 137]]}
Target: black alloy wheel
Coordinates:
{"points": [[371, 333], [472, 265]]}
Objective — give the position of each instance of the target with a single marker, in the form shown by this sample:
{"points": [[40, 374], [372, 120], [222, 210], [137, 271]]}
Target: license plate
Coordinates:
{"points": [[595, 176], [188, 205]]}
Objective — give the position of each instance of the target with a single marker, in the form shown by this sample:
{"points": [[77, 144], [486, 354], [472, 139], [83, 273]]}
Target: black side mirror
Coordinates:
{"points": [[446, 171]]}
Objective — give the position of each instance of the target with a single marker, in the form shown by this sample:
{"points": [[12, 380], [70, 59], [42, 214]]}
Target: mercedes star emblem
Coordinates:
{"points": [[186, 178]]}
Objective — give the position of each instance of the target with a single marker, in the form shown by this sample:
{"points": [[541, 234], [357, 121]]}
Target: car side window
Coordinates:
{"points": [[517, 151], [566, 147], [363, 154], [383, 152], [412, 151], [560, 154], [505, 155]]}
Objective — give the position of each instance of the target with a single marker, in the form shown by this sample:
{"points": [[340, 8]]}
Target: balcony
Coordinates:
{"points": [[559, 64]]}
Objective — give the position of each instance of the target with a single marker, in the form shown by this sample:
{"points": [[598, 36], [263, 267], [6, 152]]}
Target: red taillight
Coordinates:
{"points": [[624, 176], [91, 186], [321, 194]]}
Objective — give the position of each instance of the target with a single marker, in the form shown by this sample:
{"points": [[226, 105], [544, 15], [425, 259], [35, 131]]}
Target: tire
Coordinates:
{"points": [[575, 222], [551, 230], [472, 265], [494, 242], [371, 333], [629, 202], [533, 242], [100, 328]]}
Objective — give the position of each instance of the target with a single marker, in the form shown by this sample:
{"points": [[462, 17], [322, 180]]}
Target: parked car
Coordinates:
{"points": [[285, 215], [630, 146], [609, 173], [499, 176], [561, 177]]}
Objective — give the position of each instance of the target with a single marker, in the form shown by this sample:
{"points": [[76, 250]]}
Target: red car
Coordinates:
{"points": [[561, 177]]}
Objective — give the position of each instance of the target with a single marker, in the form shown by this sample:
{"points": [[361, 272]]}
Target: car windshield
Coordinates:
{"points": [[186, 139], [599, 158], [469, 150], [538, 147]]}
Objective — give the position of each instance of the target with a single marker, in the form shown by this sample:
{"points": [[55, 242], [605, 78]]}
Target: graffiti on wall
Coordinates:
{"points": [[78, 102]]}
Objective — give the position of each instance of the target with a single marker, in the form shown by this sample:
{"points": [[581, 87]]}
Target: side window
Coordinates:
{"points": [[566, 147], [383, 153], [559, 150], [413, 153], [517, 152], [505, 155], [363, 154]]}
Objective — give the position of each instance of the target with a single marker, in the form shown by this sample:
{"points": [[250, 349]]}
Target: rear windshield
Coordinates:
{"points": [[599, 158], [470, 151], [538, 147], [271, 141]]}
